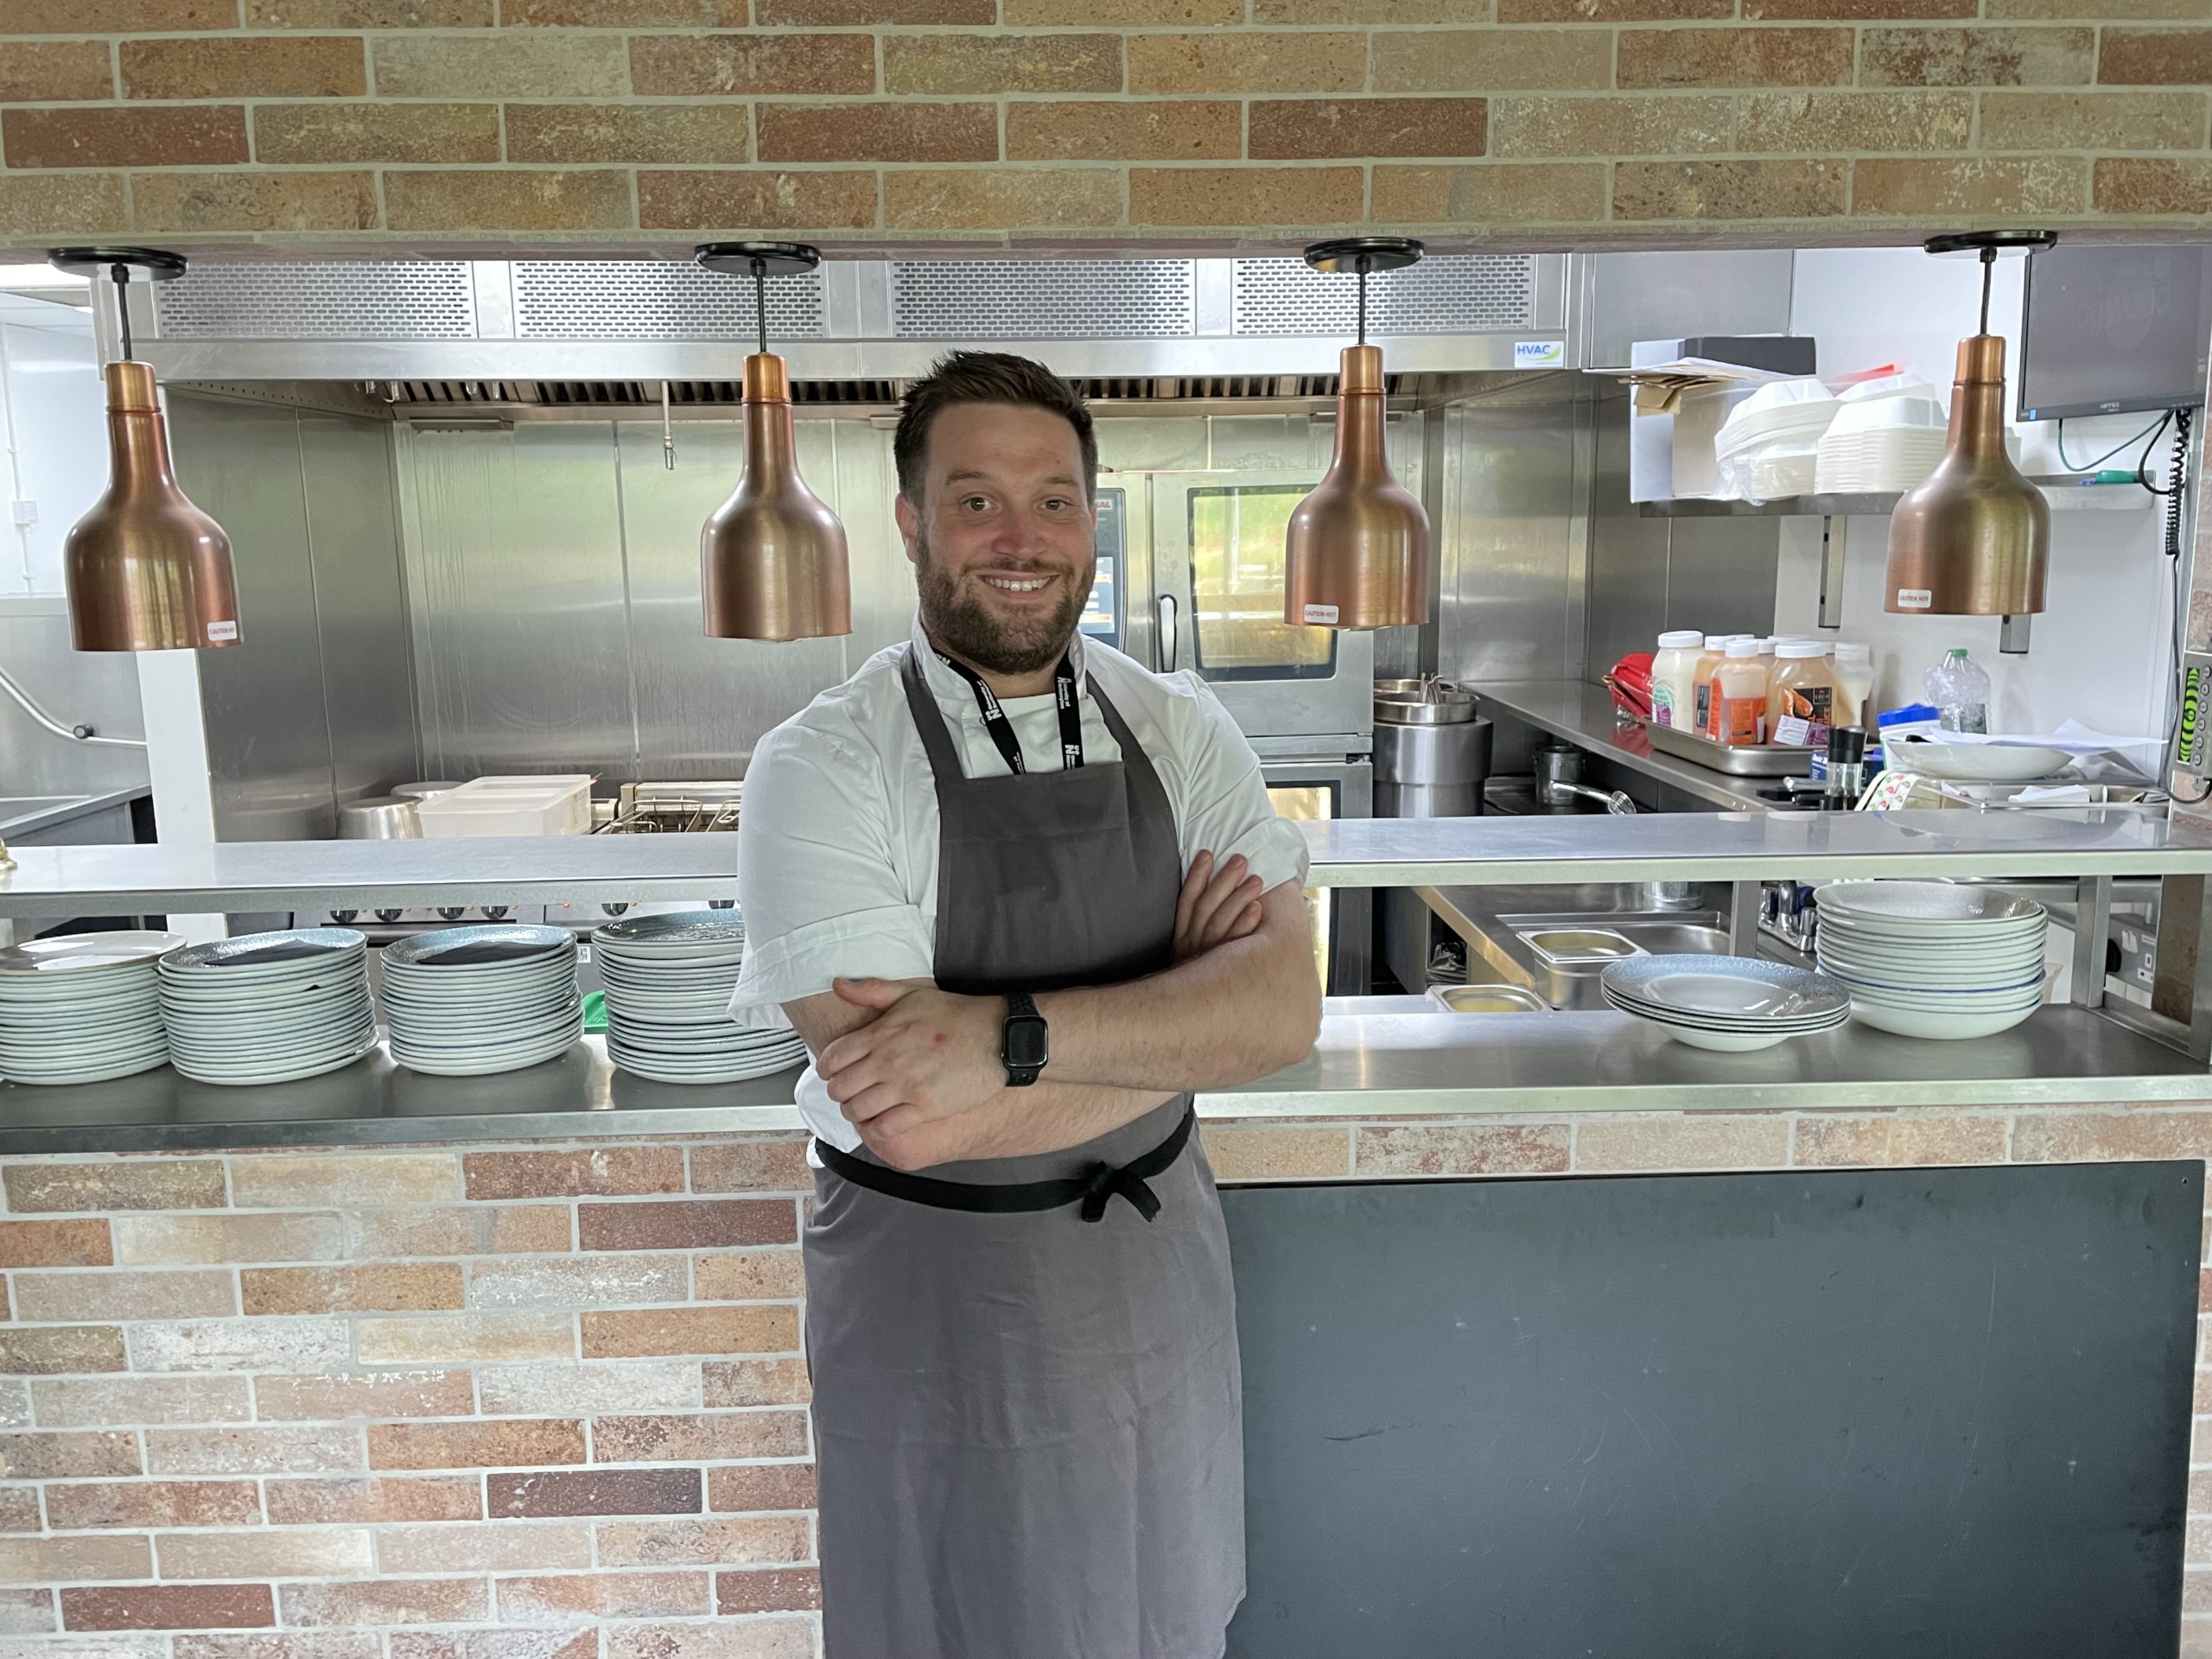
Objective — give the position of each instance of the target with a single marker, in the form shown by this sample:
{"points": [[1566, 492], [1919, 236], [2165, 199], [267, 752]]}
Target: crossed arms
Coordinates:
{"points": [[917, 1070]]}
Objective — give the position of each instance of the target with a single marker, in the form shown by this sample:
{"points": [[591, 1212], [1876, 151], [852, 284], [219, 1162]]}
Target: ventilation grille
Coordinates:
{"points": [[1454, 294], [655, 299], [383, 300], [1017, 299], [645, 394]]}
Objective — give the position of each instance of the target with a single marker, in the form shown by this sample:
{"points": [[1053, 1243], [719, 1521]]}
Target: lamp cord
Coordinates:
{"points": [[1988, 273], [760, 301], [1362, 299], [123, 305], [2151, 432]]}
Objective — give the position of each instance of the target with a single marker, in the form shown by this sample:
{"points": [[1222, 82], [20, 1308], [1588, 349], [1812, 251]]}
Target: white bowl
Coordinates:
{"points": [[1945, 1027], [1977, 763]]}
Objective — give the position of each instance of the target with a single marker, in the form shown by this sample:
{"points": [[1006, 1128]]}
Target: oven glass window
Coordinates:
{"points": [[1237, 587], [1310, 803], [1101, 612]]}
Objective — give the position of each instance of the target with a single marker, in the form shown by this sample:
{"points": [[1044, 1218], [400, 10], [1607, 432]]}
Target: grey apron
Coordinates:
{"points": [[1029, 1427]]}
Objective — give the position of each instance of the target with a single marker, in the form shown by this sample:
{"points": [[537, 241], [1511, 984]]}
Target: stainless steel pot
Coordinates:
{"points": [[381, 817], [1425, 701], [1430, 771]]}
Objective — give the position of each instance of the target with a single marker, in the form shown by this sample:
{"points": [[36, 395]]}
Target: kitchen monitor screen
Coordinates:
{"points": [[2107, 330]]}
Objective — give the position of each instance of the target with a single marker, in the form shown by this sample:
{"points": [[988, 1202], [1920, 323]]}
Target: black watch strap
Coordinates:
{"points": [[1025, 1045]]}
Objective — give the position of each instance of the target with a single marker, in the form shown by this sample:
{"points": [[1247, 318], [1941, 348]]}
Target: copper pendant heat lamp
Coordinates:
{"points": [[1974, 540], [146, 570], [772, 563], [1355, 555]]}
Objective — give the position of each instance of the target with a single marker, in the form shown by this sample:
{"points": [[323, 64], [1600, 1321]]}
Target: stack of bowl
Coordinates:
{"points": [[84, 1008], [1731, 1003], [669, 980], [465, 1001], [1933, 959], [268, 1007]]}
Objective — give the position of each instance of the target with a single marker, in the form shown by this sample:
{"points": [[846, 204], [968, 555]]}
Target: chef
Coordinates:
{"points": [[1022, 897]]}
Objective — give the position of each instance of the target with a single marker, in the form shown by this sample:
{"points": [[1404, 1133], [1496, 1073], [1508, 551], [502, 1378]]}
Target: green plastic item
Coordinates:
{"points": [[595, 1011]]}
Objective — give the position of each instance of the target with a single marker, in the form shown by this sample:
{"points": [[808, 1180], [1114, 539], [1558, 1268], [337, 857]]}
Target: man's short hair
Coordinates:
{"points": [[985, 377]]}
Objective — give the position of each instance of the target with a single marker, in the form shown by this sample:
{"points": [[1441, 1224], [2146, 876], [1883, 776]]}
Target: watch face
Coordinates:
{"points": [[1025, 1042]]}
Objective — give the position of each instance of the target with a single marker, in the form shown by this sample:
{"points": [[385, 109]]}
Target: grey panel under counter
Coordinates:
{"points": [[1825, 1414]]}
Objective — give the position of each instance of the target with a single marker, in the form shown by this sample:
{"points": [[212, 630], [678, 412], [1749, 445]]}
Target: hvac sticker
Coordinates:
{"points": [[1539, 354]]}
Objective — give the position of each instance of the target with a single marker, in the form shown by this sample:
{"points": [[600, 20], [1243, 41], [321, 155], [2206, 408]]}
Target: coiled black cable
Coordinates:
{"points": [[2176, 482]]}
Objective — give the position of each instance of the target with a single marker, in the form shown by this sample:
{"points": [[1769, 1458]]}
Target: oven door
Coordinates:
{"points": [[1217, 590], [1310, 790]]}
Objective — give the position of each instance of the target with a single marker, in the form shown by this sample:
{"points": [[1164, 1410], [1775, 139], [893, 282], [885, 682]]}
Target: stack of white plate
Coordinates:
{"points": [[463, 1001], [1731, 1003], [1932, 959], [669, 980], [84, 1008], [267, 1007]]}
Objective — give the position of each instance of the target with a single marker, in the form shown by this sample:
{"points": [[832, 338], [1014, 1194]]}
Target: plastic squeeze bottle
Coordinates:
{"points": [[1674, 677], [1740, 693]]}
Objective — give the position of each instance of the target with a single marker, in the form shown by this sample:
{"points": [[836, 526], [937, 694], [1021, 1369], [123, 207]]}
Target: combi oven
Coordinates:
{"points": [[1190, 577]]}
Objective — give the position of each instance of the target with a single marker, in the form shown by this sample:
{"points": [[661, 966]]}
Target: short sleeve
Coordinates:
{"points": [[821, 893], [1225, 809]]}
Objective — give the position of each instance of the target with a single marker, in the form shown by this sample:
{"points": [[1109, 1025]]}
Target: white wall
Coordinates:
{"points": [[52, 434], [2100, 651]]}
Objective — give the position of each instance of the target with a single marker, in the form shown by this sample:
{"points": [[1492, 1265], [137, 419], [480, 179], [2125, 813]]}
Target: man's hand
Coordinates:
{"points": [[1215, 906], [929, 1054]]}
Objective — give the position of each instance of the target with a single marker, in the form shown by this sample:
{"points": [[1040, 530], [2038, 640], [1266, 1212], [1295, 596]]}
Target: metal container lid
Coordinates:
{"points": [[1425, 702]]}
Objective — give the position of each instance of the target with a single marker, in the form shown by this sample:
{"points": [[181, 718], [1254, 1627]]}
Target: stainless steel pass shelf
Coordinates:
{"points": [[1365, 1068], [316, 876], [1582, 714]]}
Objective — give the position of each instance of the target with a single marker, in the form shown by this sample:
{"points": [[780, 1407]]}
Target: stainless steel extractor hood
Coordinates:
{"points": [[609, 334]]}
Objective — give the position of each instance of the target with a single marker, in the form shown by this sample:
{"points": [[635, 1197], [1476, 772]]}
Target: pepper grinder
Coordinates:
{"points": [[1846, 767]]}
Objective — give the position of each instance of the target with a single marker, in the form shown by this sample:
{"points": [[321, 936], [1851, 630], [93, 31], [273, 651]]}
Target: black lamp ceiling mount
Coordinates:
{"points": [[1365, 254]]}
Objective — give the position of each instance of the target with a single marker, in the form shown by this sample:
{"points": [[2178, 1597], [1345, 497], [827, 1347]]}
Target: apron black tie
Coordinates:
{"points": [[1093, 1190]]}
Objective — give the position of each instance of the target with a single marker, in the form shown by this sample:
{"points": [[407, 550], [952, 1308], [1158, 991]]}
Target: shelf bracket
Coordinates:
{"points": [[1832, 535], [2091, 927]]}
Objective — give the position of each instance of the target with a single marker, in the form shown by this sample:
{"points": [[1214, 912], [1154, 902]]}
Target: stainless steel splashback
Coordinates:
{"points": [[553, 578], [1511, 495], [95, 689], [553, 581], [633, 320], [313, 706]]}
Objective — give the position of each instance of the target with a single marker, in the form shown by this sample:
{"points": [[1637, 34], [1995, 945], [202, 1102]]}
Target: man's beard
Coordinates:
{"points": [[959, 624]]}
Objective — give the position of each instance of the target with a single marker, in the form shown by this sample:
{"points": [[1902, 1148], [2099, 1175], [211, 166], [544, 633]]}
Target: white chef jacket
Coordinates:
{"points": [[837, 841]]}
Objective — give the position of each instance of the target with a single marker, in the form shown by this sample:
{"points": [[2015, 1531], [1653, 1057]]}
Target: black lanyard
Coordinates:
{"points": [[1001, 729]]}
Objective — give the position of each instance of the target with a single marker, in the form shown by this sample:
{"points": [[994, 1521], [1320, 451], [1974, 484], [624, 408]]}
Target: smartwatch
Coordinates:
{"points": [[1025, 1044]]}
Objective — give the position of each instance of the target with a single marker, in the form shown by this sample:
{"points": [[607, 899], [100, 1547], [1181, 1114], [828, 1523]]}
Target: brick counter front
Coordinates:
{"points": [[547, 1401]]}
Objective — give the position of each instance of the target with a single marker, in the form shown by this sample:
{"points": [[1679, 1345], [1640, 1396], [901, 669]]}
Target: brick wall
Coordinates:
{"points": [[546, 1402], [629, 122]]}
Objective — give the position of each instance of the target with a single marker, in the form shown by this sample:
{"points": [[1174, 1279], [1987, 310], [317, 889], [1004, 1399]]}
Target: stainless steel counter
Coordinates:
{"points": [[1581, 714], [1372, 1066], [313, 875]]}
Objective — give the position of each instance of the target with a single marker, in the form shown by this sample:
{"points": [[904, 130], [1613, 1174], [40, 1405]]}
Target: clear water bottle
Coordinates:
{"points": [[1959, 687]]}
